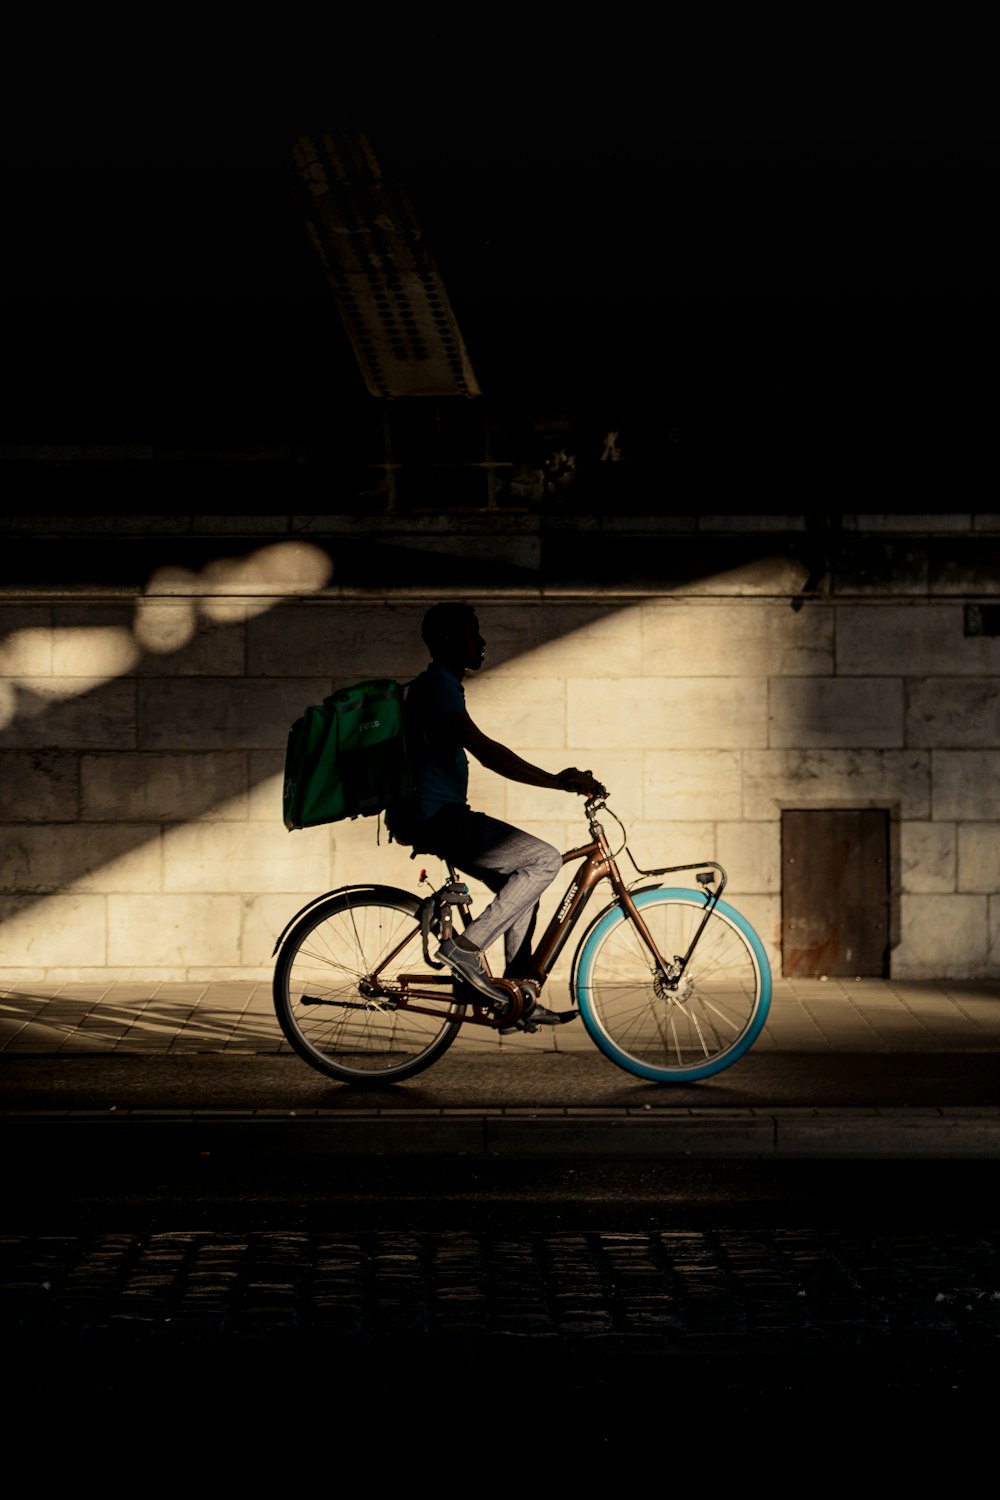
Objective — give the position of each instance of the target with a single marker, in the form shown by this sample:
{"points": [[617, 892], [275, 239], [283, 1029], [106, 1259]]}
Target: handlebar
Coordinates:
{"points": [[598, 799]]}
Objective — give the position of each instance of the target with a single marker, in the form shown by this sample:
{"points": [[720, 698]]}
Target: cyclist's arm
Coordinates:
{"points": [[498, 758]]}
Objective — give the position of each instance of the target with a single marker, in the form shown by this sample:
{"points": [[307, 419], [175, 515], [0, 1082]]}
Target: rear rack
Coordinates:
{"points": [[710, 872]]}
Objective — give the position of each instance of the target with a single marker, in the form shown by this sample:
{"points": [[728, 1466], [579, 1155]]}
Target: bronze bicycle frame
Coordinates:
{"points": [[597, 864]]}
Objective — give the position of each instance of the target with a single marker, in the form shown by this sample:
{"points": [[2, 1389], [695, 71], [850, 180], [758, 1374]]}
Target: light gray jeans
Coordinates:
{"points": [[514, 864]]}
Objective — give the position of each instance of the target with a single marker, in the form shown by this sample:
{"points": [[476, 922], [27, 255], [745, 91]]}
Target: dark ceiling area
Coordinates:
{"points": [[766, 292]]}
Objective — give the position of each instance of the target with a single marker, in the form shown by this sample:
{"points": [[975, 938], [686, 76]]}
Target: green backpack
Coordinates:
{"points": [[346, 757]]}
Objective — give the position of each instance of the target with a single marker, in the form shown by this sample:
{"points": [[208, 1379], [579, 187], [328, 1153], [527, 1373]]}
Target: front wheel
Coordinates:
{"points": [[333, 989], [673, 1034]]}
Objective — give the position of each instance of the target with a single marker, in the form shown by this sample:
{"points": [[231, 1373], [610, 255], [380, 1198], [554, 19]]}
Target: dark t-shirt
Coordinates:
{"points": [[438, 763]]}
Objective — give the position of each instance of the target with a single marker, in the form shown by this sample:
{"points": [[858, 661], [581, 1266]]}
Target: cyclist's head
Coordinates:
{"points": [[451, 633]]}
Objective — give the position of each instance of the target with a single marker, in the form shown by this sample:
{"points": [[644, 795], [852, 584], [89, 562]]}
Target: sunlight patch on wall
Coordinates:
{"points": [[227, 590], [65, 661], [39, 665]]}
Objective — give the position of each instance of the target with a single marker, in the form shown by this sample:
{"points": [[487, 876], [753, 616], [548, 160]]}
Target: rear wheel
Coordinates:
{"points": [[660, 1031], [330, 983]]}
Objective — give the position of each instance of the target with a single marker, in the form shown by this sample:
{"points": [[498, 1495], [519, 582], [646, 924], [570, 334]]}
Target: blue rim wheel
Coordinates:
{"points": [[657, 1031]]}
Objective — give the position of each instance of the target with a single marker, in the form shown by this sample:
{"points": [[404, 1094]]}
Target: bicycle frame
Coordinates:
{"points": [[597, 863], [361, 995]]}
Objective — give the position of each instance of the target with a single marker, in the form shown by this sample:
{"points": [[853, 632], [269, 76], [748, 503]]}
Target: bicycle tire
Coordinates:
{"points": [[709, 1023], [321, 1007]]}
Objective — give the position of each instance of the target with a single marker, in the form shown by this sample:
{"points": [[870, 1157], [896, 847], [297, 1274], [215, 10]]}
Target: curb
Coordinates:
{"points": [[566, 1134]]}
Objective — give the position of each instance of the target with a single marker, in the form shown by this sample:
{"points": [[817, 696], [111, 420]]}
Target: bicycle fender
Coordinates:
{"points": [[641, 890], [599, 917], [342, 890], [648, 891]]}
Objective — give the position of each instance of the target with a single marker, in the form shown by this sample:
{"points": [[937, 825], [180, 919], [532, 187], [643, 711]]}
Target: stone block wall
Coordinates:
{"points": [[140, 764]]}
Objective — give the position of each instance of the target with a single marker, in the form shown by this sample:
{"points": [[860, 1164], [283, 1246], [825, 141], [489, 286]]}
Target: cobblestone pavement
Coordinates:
{"points": [[912, 1300]]}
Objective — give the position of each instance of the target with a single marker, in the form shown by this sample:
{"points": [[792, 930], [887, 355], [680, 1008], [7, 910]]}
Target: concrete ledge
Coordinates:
{"points": [[606, 1134], [560, 1134], [895, 1134]]}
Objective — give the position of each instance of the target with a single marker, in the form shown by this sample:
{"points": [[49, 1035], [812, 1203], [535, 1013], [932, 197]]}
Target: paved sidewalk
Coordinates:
{"points": [[864, 1068], [143, 1018]]}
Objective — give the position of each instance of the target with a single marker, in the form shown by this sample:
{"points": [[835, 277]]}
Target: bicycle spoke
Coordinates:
{"points": [[333, 955], [655, 1028]]}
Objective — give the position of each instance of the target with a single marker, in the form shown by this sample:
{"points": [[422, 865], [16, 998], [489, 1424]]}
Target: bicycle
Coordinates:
{"points": [[672, 984]]}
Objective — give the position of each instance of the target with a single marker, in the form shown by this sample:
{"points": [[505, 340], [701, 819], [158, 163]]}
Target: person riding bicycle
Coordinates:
{"points": [[435, 817]]}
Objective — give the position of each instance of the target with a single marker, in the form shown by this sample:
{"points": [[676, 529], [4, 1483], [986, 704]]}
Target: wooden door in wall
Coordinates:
{"points": [[835, 892]]}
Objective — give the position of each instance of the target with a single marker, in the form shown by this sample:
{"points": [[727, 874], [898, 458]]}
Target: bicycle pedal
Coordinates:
{"points": [[542, 1017]]}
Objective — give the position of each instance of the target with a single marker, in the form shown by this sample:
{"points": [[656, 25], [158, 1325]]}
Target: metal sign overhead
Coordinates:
{"points": [[387, 288]]}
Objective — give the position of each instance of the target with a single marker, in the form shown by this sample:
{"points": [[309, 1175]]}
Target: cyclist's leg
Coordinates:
{"points": [[513, 864], [517, 966], [519, 868], [516, 963]]}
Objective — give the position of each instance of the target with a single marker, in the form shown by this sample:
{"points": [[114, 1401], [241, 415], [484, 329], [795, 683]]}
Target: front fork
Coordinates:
{"points": [[670, 972]]}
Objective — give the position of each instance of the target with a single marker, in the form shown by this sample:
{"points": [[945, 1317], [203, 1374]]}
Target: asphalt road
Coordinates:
{"points": [[494, 1080], [150, 1176]]}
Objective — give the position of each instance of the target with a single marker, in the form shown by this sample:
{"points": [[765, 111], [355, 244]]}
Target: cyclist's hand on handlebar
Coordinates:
{"points": [[580, 782]]}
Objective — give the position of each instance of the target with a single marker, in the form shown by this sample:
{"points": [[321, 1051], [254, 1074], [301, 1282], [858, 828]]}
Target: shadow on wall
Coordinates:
{"points": [[127, 719]]}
